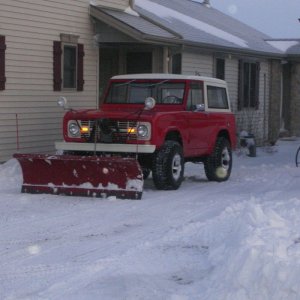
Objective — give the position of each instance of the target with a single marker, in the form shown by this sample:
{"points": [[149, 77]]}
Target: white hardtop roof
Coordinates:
{"points": [[169, 76]]}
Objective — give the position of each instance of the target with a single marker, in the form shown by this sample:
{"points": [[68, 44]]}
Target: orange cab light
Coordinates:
{"points": [[84, 129], [131, 130]]}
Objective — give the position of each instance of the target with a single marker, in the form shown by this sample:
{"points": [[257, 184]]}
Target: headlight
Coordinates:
{"points": [[143, 131], [73, 128], [149, 103]]}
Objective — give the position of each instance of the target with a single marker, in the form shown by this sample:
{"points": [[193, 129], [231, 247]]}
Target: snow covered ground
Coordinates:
{"points": [[234, 240]]}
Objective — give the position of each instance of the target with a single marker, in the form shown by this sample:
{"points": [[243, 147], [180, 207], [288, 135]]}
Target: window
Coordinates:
{"points": [[195, 96], [164, 92], [248, 85], [176, 63], [2, 63], [139, 62], [67, 66], [220, 68], [217, 97], [171, 93]]}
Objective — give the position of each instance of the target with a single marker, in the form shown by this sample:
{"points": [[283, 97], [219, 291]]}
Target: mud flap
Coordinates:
{"points": [[89, 176]]}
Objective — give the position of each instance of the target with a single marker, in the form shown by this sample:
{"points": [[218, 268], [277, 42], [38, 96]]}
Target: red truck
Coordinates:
{"points": [[163, 120], [146, 123]]}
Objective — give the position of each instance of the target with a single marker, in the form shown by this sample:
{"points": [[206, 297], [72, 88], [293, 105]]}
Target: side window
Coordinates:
{"points": [[171, 93], [68, 64], [195, 96], [217, 97], [2, 62]]}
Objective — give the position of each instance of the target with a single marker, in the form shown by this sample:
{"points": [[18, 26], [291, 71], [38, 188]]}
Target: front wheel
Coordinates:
{"points": [[168, 166], [218, 165]]}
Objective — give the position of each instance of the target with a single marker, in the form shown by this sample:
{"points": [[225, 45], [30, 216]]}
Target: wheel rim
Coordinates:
{"points": [[225, 160], [176, 166]]}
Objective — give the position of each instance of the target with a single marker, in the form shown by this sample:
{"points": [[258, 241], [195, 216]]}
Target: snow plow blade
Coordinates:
{"points": [[89, 176]]}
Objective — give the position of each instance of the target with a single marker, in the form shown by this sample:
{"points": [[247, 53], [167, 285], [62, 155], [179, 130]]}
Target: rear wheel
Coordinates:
{"points": [[218, 165], [168, 166]]}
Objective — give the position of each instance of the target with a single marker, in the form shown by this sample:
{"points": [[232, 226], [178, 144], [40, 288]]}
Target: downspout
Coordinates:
{"points": [[166, 60]]}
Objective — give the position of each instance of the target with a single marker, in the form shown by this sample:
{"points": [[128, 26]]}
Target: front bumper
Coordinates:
{"points": [[117, 148]]}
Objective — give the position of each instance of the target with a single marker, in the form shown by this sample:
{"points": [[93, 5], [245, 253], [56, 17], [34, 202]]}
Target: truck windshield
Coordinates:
{"points": [[134, 92]]}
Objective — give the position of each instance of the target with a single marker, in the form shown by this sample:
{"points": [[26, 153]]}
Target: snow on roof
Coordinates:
{"points": [[283, 45], [169, 14], [130, 11]]}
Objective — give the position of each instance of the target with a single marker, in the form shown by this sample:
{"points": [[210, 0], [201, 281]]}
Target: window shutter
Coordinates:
{"points": [[2, 63], [57, 52], [240, 85], [80, 80]]}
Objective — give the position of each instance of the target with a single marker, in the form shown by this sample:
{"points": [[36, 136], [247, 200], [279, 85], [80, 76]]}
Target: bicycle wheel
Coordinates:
{"points": [[297, 158]]}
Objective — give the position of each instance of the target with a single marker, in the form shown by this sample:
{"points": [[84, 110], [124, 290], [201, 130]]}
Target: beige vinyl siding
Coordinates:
{"points": [[231, 77], [30, 27], [197, 64], [117, 4]]}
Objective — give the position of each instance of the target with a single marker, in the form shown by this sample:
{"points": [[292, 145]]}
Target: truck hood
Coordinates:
{"points": [[90, 114]]}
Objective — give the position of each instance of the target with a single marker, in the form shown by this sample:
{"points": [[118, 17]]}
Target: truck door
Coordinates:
{"points": [[198, 119]]}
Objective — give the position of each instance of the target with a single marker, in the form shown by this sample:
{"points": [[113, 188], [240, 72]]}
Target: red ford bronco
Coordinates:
{"points": [[163, 120]]}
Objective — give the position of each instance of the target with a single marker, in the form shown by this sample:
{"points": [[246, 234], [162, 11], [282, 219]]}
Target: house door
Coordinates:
{"points": [[139, 62], [108, 66]]}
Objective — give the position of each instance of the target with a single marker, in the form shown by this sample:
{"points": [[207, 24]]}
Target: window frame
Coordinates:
{"points": [[192, 105], [58, 63]]}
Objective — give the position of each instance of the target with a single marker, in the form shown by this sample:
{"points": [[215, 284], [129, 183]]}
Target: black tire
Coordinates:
{"points": [[146, 173], [218, 165], [168, 166]]}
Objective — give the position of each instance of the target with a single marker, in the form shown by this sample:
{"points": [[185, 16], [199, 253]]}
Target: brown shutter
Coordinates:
{"points": [[80, 80], [57, 52], [2, 63]]}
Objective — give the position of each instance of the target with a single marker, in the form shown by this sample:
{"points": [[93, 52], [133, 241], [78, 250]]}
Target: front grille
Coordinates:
{"points": [[108, 131]]}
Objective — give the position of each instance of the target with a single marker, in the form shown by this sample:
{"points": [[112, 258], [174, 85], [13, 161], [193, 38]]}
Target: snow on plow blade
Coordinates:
{"points": [[90, 176]]}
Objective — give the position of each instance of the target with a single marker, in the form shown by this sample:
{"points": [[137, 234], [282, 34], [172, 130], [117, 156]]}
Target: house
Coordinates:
{"points": [[71, 48], [41, 41]]}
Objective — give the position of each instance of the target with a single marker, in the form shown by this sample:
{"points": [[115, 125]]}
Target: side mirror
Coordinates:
{"points": [[200, 107], [149, 103]]}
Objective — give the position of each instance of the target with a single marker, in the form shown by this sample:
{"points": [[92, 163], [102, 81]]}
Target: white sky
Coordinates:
{"points": [[277, 18]]}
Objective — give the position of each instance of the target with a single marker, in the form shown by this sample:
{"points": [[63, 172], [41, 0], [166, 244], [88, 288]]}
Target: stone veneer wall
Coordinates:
{"points": [[275, 101], [295, 99]]}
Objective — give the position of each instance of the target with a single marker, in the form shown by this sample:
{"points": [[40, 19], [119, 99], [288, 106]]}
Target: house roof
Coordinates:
{"points": [[288, 46], [189, 23]]}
